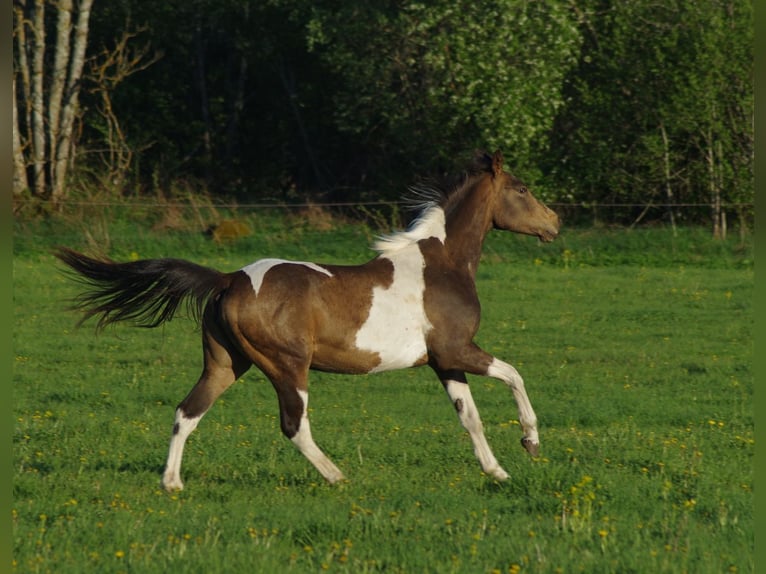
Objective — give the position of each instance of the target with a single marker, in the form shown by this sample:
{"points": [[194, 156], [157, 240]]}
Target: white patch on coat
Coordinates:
{"points": [[397, 325], [430, 224], [258, 270]]}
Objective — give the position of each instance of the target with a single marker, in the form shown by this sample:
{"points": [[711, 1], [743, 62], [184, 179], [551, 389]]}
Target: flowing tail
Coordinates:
{"points": [[145, 292]]}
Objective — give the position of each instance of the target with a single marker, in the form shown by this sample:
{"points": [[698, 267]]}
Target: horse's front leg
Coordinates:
{"points": [[511, 377], [470, 358], [459, 393]]}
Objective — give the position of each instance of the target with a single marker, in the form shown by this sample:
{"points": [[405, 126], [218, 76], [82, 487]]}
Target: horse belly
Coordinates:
{"points": [[396, 348]]}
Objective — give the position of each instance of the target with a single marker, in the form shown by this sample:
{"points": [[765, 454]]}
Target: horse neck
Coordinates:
{"points": [[468, 219]]}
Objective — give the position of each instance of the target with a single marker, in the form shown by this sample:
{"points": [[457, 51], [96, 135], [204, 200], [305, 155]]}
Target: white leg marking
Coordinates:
{"points": [[460, 395], [310, 450], [171, 478], [511, 377]]}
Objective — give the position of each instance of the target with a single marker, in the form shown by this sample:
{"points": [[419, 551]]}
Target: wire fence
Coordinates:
{"points": [[396, 212], [730, 206]]}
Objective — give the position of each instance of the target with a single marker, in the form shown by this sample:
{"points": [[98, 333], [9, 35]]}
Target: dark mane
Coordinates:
{"points": [[438, 191], [430, 200]]}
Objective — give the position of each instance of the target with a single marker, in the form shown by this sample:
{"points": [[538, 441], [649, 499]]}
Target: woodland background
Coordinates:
{"points": [[644, 107]]}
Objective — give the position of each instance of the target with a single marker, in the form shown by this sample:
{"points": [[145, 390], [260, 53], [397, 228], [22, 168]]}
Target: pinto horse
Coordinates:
{"points": [[414, 304]]}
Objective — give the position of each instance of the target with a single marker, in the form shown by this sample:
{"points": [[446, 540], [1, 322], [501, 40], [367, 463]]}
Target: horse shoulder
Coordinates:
{"points": [[451, 302]]}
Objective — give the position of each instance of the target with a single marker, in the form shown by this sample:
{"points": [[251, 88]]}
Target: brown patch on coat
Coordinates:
{"points": [[315, 327]]}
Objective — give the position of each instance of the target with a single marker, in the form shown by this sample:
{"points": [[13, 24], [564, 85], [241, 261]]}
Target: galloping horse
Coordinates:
{"points": [[414, 304]]}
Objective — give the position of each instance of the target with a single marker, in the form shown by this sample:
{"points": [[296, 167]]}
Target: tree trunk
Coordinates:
{"points": [[238, 104], [288, 83], [714, 189], [668, 187], [70, 101], [742, 224], [201, 74], [237, 98], [59, 76], [20, 30], [38, 102], [20, 182], [45, 104], [719, 187]]}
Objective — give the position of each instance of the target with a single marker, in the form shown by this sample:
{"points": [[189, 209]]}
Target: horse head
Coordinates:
{"points": [[514, 208]]}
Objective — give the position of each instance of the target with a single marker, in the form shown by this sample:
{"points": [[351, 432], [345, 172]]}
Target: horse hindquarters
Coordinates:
{"points": [[274, 332]]}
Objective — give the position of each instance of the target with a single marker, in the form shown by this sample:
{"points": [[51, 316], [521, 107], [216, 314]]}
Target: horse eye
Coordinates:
{"points": [[522, 190]]}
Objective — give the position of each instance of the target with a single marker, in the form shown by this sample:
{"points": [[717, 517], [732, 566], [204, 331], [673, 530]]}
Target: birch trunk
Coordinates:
{"points": [[20, 30], [70, 101], [668, 187], [37, 97], [59, 76], [722, 225], [715, 192]]}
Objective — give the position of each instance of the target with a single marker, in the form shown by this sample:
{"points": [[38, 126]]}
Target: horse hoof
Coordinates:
{"points": [[532, 448], [499, 474], [337, 479], [172, 486]]}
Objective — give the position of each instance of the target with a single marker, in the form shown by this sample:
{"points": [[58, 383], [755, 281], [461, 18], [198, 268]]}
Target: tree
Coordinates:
{"points": [[635, 103], [660, 107], [213, 111], [43, 134], [722, 105], [111, 67], [427, 83]]}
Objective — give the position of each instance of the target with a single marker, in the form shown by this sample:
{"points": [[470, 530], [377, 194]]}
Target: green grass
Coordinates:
{"points": [[636, 348]]}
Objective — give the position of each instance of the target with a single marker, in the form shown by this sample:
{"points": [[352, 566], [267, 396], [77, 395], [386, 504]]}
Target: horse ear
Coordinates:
{"points": [[497, 163]]}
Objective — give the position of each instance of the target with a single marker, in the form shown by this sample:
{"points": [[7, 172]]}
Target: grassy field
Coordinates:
{"points": [[635, 345]]}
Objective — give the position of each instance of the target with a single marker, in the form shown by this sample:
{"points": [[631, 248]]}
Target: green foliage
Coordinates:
{"points": [[636, 348], [430, 81], [661, 100], [634, 103]]}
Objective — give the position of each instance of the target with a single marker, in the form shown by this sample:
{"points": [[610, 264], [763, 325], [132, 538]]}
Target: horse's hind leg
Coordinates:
{"points": [[188, 414], [456, 385], [223, 366], [293, 411]]}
